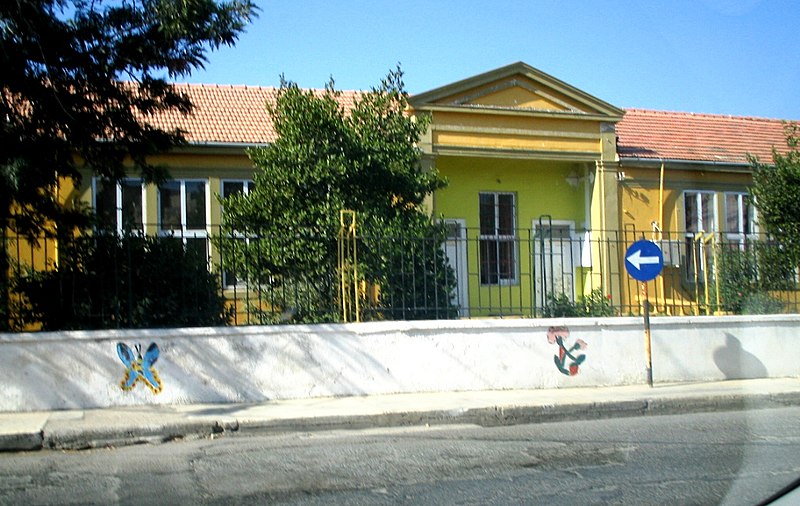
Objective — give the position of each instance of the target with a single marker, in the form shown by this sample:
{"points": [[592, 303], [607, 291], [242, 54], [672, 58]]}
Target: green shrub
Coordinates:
{"points": [[598, 304], [559, 305], [122, 282], [746, 275], [594, 304], [761, 303]]}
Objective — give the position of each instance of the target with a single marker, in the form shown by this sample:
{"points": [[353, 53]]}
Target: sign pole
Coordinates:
{"points": [[647, 348], [644, 262]]}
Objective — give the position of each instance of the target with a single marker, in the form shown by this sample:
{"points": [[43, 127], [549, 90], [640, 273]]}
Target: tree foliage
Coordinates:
{"points": [[80, 80], [82, 77], [328, 158], [775, 193]]}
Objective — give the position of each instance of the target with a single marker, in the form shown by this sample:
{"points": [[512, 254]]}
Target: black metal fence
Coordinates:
{"points": [[216, 278]]}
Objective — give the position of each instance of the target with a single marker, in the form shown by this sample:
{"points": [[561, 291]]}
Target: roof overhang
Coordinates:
{"points": [[693, 165], [218, 148]]}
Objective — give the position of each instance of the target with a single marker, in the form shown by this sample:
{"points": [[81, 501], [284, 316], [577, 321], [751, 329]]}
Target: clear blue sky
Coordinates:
{"points": [[735, 57]]}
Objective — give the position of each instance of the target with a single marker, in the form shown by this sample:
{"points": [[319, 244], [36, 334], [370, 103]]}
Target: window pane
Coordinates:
{"points": [[131, 205], [106, 204], [506, 260], [707, 203], [487, 214], [506, 214], [691, 256], [749, 218], [230, 188], [732, 213], [197, 247], [690, 207], [170, 205], [195, 205], [497, 219], [749, 215], [489, 275]]}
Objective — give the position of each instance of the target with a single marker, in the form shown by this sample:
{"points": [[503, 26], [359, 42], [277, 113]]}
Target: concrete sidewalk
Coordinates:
{"points": [[82, 429]]}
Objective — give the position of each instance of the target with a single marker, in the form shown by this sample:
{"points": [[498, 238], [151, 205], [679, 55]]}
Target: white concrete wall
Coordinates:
{"points": [[69, 370]]}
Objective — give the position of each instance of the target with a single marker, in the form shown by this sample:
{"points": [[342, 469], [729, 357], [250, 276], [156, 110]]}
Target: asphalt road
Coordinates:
{"points": [[729, 457]]}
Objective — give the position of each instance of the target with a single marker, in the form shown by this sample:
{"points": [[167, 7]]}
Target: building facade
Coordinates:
{"points": [[548, 185]]}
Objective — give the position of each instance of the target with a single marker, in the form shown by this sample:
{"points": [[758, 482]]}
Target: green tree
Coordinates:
{"points": [[80, 80], [775, 193], [327, 159]]}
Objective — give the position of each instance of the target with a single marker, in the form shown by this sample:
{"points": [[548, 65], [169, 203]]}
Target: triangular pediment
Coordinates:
{"points": [[517, 87]]}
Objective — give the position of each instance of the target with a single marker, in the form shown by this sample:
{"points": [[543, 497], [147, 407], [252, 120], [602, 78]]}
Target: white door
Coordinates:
{"points": [[455, 248], [555, 249]]}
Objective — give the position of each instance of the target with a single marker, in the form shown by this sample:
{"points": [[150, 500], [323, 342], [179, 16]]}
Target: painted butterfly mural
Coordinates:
{"points": [[139, 367]]}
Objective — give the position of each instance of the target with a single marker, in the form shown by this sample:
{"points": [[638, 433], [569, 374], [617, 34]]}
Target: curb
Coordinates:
{"points": [[78, 438], [76, 435], [22, 441]]}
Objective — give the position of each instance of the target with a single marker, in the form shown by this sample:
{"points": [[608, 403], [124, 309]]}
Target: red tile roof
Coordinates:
{"points": [[698, 137], [225, 114]]}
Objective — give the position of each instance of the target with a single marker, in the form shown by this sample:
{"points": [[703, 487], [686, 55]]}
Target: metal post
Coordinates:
{"points": [[647, 347], [348, 267]]}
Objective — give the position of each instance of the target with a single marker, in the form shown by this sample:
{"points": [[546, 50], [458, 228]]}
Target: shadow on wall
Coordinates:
{"points": [[736, 363]]}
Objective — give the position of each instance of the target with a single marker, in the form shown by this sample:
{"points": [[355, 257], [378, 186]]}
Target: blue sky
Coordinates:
{"points": [[727, 57]]}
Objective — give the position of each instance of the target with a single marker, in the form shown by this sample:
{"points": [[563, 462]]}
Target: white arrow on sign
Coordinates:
{"points": [[636, 259]]}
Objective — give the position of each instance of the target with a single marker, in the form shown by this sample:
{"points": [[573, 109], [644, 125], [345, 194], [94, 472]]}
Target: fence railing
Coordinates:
{"points": [[222, 277]]}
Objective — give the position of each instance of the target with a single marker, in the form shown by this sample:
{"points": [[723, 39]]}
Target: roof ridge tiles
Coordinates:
{"points": [[257, 87], [218, 86], [687, 114]]}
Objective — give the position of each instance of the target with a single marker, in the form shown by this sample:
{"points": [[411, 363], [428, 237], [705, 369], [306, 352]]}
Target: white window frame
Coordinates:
{"points": [[698, 195], [244, 182], [184, 231], [740, 234], [691, 246], [96, 182], [498, 238], [234, 233]]}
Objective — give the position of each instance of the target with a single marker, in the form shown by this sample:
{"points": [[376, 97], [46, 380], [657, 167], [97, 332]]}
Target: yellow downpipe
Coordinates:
{"points": [[661, 202], [660, 279], [348, 267]]}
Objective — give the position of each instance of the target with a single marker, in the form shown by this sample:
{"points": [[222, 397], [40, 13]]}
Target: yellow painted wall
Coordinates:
{"points": [[521, 132], [498, 93], [42, 252], [639, 194], [672, 292], [541, 188]]}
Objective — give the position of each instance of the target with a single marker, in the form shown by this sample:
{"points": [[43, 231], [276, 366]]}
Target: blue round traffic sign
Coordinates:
{"points": [[644, 260]]}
